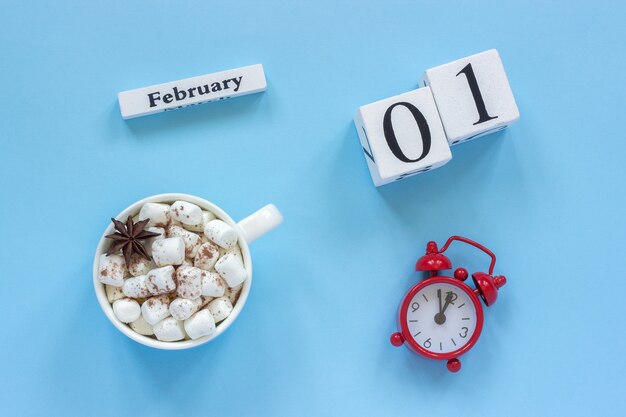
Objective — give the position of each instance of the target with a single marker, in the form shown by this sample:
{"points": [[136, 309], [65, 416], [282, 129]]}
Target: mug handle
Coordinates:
{"points": [[260, 222]]}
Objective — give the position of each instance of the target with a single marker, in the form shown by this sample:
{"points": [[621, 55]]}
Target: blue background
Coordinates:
{"points": [[547, 196]]}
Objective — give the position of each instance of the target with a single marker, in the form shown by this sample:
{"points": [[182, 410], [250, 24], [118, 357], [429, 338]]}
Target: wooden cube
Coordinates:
{"points": [[402, 136], [473, 96], [192, 91]]}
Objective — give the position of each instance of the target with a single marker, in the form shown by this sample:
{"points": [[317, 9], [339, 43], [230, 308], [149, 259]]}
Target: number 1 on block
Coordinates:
{"points": [[473, 96]]}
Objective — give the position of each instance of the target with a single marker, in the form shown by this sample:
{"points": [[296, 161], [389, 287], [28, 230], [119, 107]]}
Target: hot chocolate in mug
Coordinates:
{"points": [[248, 230]]}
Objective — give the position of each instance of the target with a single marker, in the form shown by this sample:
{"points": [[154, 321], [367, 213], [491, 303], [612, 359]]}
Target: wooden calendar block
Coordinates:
{"points": [[473, 96], [402, 136], [192, 91]]}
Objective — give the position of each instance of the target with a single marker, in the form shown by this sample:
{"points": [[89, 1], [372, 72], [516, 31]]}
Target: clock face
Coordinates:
{"points": [[442, 318]]}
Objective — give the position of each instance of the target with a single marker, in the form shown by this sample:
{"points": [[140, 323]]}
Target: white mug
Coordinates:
{"points": [[248, 229]]}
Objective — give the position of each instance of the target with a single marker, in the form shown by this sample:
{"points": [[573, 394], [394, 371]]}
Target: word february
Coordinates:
{"points": [[200, 90], [191, 91]]}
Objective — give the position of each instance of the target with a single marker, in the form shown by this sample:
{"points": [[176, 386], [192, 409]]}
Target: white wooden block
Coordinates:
{"points": [[191, 91], [473, 96], [402, 136]]}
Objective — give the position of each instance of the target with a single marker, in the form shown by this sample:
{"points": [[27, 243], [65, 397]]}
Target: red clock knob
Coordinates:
{"points": [[461, 274], [454, 365], [397, 339]]}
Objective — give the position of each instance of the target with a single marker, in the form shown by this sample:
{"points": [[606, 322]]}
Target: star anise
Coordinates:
{"points": [[127, 238]]}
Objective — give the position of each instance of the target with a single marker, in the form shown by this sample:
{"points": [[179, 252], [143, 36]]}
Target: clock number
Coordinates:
{"points": [[427, 343], [464, 335], [453, 297], [390, 135], [415, 306], [483, 115]]}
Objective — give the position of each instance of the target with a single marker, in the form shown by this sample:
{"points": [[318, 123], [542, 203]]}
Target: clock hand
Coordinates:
{"points": [[439, 296], [440, 318], [447, 303]]}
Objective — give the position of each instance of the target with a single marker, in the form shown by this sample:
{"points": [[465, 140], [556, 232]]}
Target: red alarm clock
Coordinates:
{"points": [[441, 317]]}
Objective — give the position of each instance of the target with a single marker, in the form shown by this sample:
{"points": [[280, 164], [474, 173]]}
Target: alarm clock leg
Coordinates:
{"points": [[397, 339], [454, 365]]}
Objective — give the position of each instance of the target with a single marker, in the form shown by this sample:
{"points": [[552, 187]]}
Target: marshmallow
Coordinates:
{"points": [[204, 301], [141, 326], [182, 308], [114, 293], [208, 254], [136, 287], [236, 250], [126, 310], [186, 213], [139, 265], [161, 280], [159, 214], [155, 309], [192, 241], [187, 262], [220, 308], [200, 324], [234, 293], [189, 281], [207, 216], [169, 251], [231, 269], [221, 233], [149, 241], [212, 284], [169, 330], [112, 269]]}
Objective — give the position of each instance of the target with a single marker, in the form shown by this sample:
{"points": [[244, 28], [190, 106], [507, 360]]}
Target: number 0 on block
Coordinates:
{"points": [[402, 136]]}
